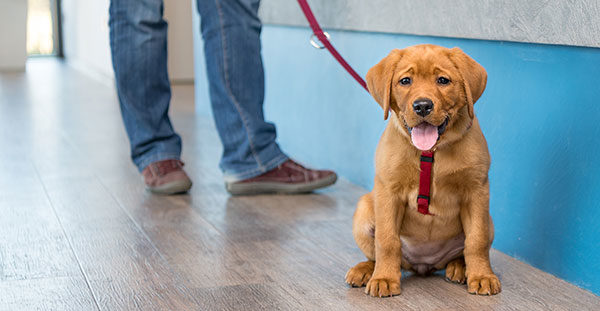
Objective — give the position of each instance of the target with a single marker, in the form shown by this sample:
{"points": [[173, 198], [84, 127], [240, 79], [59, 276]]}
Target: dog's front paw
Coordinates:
{"points": [[383, 287], [485, 284], [360, 274]]}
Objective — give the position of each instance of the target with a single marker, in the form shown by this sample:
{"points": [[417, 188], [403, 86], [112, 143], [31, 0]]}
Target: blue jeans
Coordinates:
{"points": [[231, 32]]}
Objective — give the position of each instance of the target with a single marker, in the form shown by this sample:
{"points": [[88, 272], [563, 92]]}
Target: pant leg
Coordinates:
{"points": [[231, 32], [138, 41]]}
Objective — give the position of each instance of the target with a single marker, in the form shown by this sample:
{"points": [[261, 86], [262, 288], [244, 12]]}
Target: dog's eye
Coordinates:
{"points": [[443, 80], [405, 81]]}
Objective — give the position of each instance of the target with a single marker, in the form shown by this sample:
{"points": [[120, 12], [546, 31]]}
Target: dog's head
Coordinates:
{"points": [[431, 89]]}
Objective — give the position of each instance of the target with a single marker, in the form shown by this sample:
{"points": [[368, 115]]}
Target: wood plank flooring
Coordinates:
{"points": [[79, 232]]}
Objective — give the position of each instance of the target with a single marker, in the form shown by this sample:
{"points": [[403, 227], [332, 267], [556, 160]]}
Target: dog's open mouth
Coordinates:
{"points": [[425, 135]]}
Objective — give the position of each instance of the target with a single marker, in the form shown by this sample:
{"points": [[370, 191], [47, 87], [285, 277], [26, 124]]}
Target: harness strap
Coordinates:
{"points": [[425, 183]]}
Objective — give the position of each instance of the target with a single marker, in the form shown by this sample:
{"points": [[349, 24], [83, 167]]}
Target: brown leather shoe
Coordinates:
{"points": [[166, 177], [289, 178]]}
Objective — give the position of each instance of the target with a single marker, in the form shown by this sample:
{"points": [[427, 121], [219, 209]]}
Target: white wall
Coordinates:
{"points": [[178, 14], [85, 37], [86, 41], [13, 31]]}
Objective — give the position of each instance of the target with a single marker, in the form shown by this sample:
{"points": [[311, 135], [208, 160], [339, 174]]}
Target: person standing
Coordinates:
{"points": [[252, 161]]}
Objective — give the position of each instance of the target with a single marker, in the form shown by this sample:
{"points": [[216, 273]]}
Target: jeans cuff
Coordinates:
{"points": [[149, 159], [275, 162]]}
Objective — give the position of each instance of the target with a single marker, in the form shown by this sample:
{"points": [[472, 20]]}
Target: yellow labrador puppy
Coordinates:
{"points": [[429, 91]]}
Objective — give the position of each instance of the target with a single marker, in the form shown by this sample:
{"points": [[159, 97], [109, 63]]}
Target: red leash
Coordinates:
{"points": [[319, 33], [426, 157]]}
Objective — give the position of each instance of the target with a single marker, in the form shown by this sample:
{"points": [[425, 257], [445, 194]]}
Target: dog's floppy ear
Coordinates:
{"points": [[379, 80], [473, 74]]}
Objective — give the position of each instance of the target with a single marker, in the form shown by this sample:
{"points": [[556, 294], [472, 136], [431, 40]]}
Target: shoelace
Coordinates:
{"points": [[301, 169]]}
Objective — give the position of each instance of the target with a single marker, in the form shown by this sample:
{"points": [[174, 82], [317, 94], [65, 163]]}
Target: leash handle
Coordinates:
{"points": [[316, 28]]}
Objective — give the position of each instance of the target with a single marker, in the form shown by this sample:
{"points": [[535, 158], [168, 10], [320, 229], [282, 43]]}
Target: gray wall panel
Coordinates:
{"points": [[570, 22]]}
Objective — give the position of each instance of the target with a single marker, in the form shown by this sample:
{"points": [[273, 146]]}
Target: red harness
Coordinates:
{"points": [[426, 156], [425, 183]]}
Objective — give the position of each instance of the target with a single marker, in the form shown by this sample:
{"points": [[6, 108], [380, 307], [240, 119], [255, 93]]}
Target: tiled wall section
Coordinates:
{"points": [[537, 21]]}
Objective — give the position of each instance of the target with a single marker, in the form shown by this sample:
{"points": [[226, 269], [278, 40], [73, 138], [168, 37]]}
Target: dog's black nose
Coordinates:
{"points": [[423, 106]]}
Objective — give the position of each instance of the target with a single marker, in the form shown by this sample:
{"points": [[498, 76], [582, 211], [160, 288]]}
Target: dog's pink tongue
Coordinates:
{"points": [[424, 136]]}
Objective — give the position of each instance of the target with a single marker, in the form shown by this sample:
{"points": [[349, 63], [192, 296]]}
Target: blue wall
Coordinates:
{"points": [[540, 114]]}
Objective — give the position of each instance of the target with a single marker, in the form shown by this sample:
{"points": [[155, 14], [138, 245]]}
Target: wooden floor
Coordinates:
{"points": [[78, 231]]}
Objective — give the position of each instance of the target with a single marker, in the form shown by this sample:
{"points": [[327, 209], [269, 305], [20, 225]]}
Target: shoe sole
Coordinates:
{"points": [[179, 186], [278, 188]]}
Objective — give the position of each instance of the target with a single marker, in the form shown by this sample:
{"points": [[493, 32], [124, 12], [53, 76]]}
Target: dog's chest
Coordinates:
{"points": [[444, 197], [449, 180]]}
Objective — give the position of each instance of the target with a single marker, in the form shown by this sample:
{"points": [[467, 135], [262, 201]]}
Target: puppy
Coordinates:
{"points": [[429, 91]]}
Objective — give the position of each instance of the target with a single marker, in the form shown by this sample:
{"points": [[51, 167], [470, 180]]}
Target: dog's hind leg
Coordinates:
{"points": [[363, 229]]}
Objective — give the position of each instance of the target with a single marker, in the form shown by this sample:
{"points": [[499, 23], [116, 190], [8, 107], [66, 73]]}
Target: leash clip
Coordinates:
{"points": [[313, 40]]}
